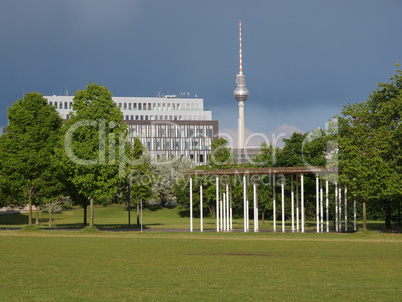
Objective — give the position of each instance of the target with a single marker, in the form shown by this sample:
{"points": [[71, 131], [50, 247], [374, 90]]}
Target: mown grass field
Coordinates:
{"points": [[168, 266], [153, 218]]}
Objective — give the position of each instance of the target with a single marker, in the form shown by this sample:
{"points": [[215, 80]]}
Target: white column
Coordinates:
{"points": [[201, 209], [191, 204], [255, 206], [302, 202], [217, 203], [245, 202], [336, 208], [274, 203], [346, 209], [321, 207], [327, 204], [227, 208], [293, 203], [224, 211], [283, 203], [220, 201], [247, 206], [231, 206], [354, 215], [317, 209], [340, 207], [297, 202]]}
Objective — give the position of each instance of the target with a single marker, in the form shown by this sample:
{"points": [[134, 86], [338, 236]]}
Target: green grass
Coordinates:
{"points": [[106, 266], [153, 218]]}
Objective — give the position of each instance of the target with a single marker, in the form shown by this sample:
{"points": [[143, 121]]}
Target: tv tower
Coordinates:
{"points": [[241, 94]]}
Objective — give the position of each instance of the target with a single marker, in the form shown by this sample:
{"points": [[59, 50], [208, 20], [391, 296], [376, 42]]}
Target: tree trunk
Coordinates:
{"points": [[364, 216], [387, 208], [399, 212], [162, 202], [50, 214], [211, 211], [37, 215], [30, 211], [138, 214], [85, 215], [91, 204], [262, 217]]}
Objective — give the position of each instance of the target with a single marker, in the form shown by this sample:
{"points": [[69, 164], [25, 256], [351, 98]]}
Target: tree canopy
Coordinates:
{"points": [[95, 151], [27, 149]]}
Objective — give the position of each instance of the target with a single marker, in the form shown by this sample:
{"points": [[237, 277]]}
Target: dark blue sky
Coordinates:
{"points": [[303, 60]]}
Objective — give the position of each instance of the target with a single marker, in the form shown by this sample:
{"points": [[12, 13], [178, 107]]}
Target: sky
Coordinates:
{"points": [[302, 60]]}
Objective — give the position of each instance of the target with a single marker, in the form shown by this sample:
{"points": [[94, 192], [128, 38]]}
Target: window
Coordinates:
{"points": [[132, 117], [146, 117], [201, 158], [125, 106], [70, 105], [144, 107], [126, 117], [135, 106], [51, 103], [130, 107], [55, 105], [120, 105], [139, 106]]}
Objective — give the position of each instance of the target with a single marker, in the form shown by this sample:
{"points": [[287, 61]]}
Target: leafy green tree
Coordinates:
{"points": [[27, 148], [95, 152], [140, 177], [370, 147], [221, 156]]}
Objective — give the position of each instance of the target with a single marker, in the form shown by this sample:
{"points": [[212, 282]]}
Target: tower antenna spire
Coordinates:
{"points": [[240, 53]]}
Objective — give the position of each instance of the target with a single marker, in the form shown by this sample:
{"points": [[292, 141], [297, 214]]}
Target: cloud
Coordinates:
{"points": [[254, 139]]}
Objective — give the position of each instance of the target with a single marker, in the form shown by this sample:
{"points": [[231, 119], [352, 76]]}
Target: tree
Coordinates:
{"points": [[27, 148], [221, 156], [166, 172], [95, 152], [140, 176], [370, 146]]}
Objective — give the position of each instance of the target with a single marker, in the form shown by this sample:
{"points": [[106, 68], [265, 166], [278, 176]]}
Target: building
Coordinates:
{"points": [[166, 125]]}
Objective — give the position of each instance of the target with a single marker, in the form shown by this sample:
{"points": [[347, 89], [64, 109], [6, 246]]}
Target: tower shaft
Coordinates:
{"points": [[241, 125]]}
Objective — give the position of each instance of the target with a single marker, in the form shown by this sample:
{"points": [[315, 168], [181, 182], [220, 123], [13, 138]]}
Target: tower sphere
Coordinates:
{"points": [[241, 92]]}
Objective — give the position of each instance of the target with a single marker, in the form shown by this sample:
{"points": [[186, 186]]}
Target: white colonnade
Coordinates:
{"points": [[224, 201]]}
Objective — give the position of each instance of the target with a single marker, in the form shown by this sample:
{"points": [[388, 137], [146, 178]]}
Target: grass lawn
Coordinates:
{"points": [[167, 266], [153, 218]]}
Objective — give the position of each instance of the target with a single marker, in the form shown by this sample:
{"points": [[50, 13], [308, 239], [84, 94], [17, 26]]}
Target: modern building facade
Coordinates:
{"points": [[166, 125]]}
